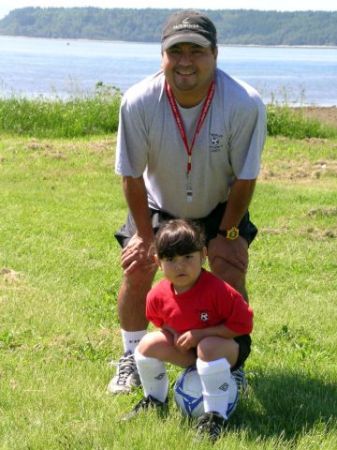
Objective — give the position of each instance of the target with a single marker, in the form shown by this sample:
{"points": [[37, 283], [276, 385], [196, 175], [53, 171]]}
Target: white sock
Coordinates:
{"points": [[153, 376], [131, 339], [215, 377]]}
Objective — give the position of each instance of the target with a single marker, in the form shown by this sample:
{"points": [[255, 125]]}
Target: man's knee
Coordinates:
{"points": [[139, 280], [227, 272]]}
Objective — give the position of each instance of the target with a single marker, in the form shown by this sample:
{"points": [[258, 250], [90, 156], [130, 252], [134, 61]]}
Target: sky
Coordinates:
{"points": [[276, 5]]}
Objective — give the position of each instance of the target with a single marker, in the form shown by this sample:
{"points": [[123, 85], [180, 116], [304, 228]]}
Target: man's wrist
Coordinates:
{"points": [[147, 236], [231, 234]]}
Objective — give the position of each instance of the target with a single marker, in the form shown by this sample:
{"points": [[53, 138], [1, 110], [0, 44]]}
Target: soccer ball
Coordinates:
{"points": [[188, 393]]}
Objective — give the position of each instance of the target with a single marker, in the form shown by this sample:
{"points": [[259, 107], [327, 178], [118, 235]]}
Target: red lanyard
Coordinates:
{"points": [[180, 123]]}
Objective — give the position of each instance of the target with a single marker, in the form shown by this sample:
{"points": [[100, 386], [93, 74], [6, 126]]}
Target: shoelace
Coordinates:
{"points": [[126, 365]]}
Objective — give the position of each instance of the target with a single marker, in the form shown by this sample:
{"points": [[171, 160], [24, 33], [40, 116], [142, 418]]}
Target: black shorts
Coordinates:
{"points": [[209, 223], [245, 343]]}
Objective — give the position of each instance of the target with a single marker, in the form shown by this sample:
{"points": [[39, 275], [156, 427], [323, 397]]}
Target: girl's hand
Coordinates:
{"points": [[189, 339]]}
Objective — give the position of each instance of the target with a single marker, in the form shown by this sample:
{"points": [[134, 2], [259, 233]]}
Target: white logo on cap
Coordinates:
{"points": [[185, 24]]}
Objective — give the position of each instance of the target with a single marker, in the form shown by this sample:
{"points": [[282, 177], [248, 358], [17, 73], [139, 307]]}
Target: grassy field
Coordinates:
{"points": [[59, 277]]}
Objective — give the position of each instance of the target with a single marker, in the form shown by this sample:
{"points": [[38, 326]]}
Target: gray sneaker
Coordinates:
{"points": [[126, 377], [241, 380]]}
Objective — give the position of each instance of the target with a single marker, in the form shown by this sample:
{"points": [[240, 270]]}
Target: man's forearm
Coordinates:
{"points": [[238, 201], [136, 197]]}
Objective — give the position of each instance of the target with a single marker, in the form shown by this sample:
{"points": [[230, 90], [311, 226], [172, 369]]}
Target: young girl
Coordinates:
{"points": [[201, 320]]}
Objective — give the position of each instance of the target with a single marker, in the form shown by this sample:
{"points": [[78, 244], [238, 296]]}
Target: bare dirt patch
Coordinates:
{"points": [[323, 212], [299, 170], [9, 276], [102, 145], [326, 115]]}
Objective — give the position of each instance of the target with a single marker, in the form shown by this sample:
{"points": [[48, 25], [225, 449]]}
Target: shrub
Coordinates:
{"points": [[74, 117], [286, 121]]}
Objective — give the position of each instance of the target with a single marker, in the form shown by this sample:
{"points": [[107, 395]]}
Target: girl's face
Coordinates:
{"points": [[183, 271]]}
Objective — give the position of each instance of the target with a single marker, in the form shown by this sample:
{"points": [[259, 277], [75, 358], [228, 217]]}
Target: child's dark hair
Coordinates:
{"points": [[178, 237]]}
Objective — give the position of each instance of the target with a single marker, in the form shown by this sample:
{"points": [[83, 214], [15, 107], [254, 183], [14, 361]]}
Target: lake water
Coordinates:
{"points": [[49, 67]]}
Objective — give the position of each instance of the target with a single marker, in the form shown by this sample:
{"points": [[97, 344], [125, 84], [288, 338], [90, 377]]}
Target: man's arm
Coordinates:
{"points": [[233, 252], [238, 201], [136, 198], [137, 252]]}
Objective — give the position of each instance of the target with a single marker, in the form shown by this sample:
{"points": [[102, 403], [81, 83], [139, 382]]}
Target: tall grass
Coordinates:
{"points": [[98, 114], [289, 122], [74, 117]]}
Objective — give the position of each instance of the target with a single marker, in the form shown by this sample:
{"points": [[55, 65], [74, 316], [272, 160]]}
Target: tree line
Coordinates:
{"points": [[235, 27]]}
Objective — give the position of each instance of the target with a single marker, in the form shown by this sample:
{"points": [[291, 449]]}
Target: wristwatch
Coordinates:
{"points": [[231, 234]]}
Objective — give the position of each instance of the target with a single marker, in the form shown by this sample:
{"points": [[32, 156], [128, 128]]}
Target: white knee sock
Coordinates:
{"points": [[153, 376], [215, 376], [131, 339]]}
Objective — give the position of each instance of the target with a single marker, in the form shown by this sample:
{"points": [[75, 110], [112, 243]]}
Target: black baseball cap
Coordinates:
{"points": [[188, 26]]}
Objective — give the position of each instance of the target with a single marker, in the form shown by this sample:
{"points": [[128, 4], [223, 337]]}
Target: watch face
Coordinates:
{"points": [[233, 233]]}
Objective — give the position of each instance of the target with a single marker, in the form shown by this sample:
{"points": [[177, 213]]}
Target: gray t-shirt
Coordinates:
{"points": [[228, 146]]}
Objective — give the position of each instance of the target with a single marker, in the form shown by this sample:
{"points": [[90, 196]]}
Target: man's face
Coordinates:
{"points": [[189, 68]]}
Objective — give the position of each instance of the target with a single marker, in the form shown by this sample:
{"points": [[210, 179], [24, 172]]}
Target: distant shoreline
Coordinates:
{"points": [[328, 47]]}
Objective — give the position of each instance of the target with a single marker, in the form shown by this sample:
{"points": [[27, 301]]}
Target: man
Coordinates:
{"points": [[189, 144]]}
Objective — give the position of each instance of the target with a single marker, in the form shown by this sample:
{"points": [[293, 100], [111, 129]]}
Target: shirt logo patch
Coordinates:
{"points": [[204, 316], [215, 141]]}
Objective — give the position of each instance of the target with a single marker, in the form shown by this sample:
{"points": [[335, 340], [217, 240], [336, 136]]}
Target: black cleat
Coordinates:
{"points": [[145, 404], [210, 425]]}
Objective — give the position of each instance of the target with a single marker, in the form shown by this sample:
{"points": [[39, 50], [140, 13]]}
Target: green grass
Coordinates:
{"points": [[74, 117], [59, 278], [286, 121], [98, 114]]}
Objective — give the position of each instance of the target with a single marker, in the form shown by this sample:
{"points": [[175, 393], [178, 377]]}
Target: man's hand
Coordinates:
{"points": [[138, 254], [233, 252]]}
